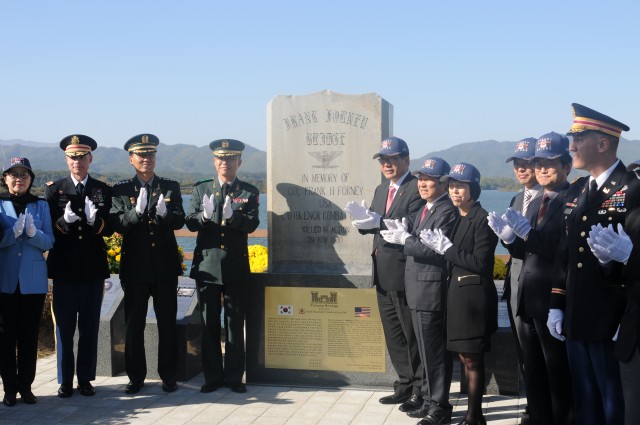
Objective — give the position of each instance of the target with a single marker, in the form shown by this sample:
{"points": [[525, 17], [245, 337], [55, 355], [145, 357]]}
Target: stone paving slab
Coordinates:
{"points": [[261, 405]]}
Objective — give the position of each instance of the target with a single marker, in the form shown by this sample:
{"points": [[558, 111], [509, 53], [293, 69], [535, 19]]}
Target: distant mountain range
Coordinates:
{"points": [[187, 161]]}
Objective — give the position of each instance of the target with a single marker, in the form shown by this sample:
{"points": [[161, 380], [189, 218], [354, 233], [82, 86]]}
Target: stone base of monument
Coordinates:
{"points": [[255, 335], [112, 332]]}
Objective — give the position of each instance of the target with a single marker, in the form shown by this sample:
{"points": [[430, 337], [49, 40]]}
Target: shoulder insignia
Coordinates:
{"points": [[637, 171], [203, 181], [123, 182], [50, 182]]}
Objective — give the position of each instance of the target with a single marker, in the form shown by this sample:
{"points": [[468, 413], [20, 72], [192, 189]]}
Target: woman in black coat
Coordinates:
{"points": [[472, 300]]}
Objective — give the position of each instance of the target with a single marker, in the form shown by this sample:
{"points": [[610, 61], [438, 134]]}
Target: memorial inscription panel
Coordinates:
{"points": [[319, 157]]}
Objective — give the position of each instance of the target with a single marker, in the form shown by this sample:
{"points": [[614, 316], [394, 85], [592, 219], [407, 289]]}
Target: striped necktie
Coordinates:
{"points": [[527, 200]]}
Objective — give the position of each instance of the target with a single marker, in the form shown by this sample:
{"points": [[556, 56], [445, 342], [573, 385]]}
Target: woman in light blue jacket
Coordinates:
{"points": [[26, 235]]}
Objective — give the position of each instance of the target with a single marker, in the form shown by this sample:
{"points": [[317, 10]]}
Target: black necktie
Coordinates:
{"points": [[225, 191], [593, 190], [80, 190], [147, 188]]}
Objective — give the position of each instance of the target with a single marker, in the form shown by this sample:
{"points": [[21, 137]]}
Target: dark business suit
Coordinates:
{"points": [[149, 265], [547, 377], [593, 296], [78, 266], [510, 288], [425, 282], [221, 266], [627, 348], [388, 278], [472, 300]]}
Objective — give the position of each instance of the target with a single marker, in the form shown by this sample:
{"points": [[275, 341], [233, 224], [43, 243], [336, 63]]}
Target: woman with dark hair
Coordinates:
{"points": [[472, 300], [27, 234]]}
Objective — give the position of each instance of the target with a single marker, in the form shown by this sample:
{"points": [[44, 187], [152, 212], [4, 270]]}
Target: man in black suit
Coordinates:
{"points": [[536, 240], [77, 263], [223, 210], [398, 197], [525, 174], [425, 282], [146, 210], [587, 305]]}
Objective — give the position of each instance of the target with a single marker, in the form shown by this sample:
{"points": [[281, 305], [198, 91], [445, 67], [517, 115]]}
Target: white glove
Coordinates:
{"points": [[227, 211], [141, 203], [90, 211], [18, 226], [69, 216], [428, 237], [30, 225], [517, 222], [372, 221], [161, 206], [208, 207], [605, 244], [358, 212], [615, 337], [396, 232], [501, 228], [554, 323], [443, 242]]}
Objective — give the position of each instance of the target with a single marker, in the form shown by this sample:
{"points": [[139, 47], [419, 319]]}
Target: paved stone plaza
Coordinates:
{"points": [[264, 405]]}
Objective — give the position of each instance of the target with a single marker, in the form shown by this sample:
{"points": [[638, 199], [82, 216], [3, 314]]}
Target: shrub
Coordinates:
{"points": [[499, 269], [114, 248]]}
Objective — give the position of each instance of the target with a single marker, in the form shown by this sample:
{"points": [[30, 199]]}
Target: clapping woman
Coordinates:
{"points": [[472, 301], [27, 234]]}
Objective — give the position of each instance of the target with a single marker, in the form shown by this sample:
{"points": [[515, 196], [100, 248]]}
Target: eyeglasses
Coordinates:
{"points": [[21, 175]]}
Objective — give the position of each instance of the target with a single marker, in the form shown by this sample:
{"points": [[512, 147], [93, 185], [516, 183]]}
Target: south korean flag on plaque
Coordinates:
{"points": [[285, 310]]}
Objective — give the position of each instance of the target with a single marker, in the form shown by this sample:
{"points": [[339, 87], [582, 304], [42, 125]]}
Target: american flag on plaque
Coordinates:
{"points": [[362, 312]]}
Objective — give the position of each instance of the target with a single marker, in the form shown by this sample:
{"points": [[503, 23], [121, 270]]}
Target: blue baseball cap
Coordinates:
{"points": [[434, 167], [552, 145], [392, 146], [464, 172], [525, 149]]}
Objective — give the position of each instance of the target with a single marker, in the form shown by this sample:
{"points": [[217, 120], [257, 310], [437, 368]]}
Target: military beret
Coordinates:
{"points": [[142, 143], [226, 147], [77, 145], [586, 119]]}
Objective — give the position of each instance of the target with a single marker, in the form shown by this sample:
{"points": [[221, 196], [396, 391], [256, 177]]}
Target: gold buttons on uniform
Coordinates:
{"points": [[581, 249], [579, 265], [222, 235], [153, 244], [222, 246], [151, 233], [610, 218], [19, 254], [79, 227], [80, 237], [582, 234], [584, 218]]}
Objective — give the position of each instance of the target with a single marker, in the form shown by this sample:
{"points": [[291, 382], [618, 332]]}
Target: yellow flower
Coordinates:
{"points": [[258, 258], [118, 258], [111, 253], [118, 249]]}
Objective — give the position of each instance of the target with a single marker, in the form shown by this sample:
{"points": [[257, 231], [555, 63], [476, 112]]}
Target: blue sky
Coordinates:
{"points": [[194, 71]]}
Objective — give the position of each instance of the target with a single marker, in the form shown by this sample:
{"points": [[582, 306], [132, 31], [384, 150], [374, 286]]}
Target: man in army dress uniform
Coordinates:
{"points": [[223, 210], [587, 301], [146, 210], [77, 263]]}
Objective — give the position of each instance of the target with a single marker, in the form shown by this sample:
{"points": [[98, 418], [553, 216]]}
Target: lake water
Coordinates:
{"points": [[491, 200]]}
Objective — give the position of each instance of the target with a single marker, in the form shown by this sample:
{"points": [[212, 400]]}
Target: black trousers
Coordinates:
{"points": [[630, 375], [401, 341], [547, 376], [435, 359], [19, 330], [209, 298], [165, 305], [77, 303]]}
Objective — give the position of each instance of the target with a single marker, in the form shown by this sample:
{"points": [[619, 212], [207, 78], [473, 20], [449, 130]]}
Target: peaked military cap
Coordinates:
{"points": [[525, 149], [226, 147], [142, 143], [586, 119], [77, 145]]}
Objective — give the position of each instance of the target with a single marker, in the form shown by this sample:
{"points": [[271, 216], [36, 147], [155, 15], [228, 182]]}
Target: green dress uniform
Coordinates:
{"points": [[221, 266], [150, 265]]}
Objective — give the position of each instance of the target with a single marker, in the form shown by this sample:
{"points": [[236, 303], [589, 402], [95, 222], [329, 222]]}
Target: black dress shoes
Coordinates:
{"points": [[435, 420], [239, 388], [394, 398], [133, 387], [480, 421], [65, 391], [169, 386], [86, 389], [209, 387], [28, 397], [9, 399], [414, 402], [420, 412]]}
